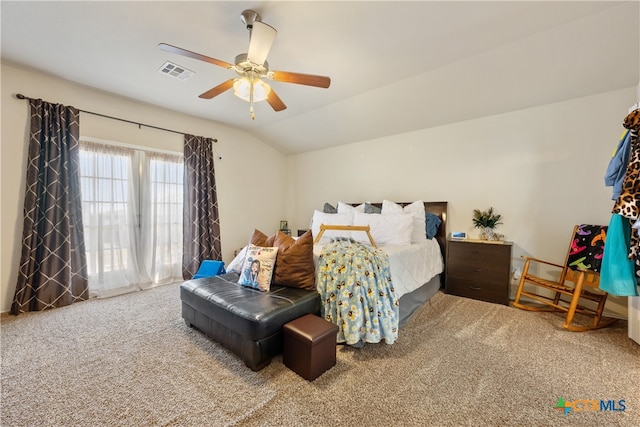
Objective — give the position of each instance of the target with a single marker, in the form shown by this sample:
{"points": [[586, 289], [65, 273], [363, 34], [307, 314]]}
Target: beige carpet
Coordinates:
{"points": [[131, 361]]}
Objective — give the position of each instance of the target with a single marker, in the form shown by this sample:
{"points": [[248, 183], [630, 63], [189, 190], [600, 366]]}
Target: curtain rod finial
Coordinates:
{"points": [[20, 96]]}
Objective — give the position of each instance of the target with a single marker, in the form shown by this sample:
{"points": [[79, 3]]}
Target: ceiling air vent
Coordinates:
{"points": [[175, 70]]}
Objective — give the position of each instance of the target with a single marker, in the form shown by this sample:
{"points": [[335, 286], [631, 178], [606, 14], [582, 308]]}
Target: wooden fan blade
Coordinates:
{"points": [[218, 89], [274, 100], [262, 36], [189, 54], [301, 79]]}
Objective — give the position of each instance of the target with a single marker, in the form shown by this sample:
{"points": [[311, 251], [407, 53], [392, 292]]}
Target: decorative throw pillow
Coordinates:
{"points": [[371, 209], [416, 209], [328, 208], [432, 224], [294, 266], [258, 238], [258, 267]]}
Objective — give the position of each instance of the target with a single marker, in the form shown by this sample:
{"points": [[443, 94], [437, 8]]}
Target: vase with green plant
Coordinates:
{"points": [[487, 221]]}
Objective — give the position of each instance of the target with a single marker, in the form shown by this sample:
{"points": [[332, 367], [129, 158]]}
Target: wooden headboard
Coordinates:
{"points": [[436, 208]]}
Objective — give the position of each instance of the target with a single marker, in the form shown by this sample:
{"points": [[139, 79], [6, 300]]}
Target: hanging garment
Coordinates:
{"points": [[617, 168], [617, 275], [628, 203]]}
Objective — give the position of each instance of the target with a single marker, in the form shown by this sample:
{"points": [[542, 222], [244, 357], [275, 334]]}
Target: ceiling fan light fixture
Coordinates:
{"points": [[251, 67], [242, 89]]}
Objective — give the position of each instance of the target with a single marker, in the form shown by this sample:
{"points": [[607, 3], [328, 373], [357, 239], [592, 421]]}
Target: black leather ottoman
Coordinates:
{"points": [[309, 346], [246, 321]]}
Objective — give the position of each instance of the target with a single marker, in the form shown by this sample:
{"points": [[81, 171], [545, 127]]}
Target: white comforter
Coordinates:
{"points": [[411, 265]]}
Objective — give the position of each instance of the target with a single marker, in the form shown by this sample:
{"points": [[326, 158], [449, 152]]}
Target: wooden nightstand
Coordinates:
{"points": [[479, 270]]}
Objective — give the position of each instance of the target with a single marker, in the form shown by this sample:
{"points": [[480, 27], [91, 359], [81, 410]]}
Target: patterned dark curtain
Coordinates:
{"points": [[201, 233], [53, 270]]}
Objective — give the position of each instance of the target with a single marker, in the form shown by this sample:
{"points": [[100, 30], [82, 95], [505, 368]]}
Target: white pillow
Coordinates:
{"points": [[390, 229], [346, 208], [236, 264], [389, 207], [330, 219], [416, 209]]}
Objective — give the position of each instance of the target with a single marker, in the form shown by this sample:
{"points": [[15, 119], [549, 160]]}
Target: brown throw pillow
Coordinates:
{"points": [[258, 238], [294, 264]]}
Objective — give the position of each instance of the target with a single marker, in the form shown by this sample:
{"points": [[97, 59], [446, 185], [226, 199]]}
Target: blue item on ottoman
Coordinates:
{"points": [[210, 268]]}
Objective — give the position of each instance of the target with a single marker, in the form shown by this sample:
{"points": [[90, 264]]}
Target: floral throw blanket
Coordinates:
{"points": [[354, 283]]}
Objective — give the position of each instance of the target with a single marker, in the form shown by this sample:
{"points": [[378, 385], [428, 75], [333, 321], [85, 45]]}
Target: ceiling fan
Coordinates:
{"points": [[252, 67]]}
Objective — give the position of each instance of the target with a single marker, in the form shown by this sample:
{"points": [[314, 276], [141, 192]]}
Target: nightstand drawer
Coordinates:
{"points": [[482, 270], [491, 292], [480, 252]]}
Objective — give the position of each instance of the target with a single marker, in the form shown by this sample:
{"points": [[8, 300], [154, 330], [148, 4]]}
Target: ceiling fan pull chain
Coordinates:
{"points": [[253, 116]]}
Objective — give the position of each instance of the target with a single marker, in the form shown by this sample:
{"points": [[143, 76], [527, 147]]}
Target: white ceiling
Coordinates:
{"points": [[395, 66]]}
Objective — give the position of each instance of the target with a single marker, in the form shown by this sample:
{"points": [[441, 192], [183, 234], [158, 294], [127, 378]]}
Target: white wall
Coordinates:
{"points": [[542, 168], [249, 195]]}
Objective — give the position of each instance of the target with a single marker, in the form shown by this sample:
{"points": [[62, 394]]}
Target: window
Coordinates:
{"points": [[132, 214]]}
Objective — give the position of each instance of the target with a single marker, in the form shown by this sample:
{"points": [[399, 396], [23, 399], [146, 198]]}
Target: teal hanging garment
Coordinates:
{"points": [[617, 274]]}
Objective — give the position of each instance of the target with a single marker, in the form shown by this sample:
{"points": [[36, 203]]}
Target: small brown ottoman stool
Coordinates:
{"points": [[309, 346]]}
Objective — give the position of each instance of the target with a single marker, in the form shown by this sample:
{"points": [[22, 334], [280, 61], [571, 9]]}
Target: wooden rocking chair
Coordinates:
{"points": [[578, 281]]}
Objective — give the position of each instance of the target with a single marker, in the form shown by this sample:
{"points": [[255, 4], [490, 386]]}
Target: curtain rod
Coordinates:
{"points": [[21, 96]]}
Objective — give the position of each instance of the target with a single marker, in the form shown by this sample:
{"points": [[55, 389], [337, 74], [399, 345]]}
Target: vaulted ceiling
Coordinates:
{"points": [[395, 66]]}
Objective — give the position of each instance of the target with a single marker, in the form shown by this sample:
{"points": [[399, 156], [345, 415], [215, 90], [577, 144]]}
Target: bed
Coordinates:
{"points": [[415, 269]]}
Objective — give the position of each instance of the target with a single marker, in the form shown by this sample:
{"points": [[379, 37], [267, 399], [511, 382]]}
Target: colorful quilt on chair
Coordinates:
{"points": [[354, 283], [587, 247]]}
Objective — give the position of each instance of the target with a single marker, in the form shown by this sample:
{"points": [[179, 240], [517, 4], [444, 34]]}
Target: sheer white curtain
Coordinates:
{"points": [[162, 217], [132, 212]]}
